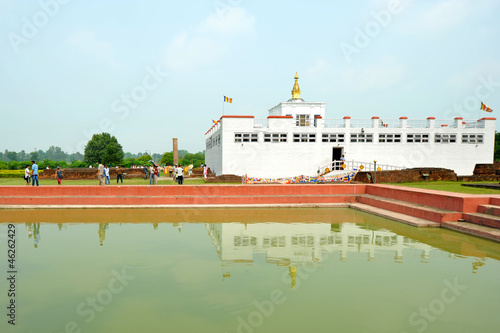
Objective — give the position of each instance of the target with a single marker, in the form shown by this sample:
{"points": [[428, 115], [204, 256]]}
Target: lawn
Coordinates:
{"points": [[450, 186], [133, 181]]}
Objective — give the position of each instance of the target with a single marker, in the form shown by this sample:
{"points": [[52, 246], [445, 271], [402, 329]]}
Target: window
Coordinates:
{"points": [[332, 137], [417, 138], [472, 138], [245, 241], [302, 120], [275, 137], [389, 138], [273, 241], [245, 137], [304, 137], [445, 138], [361, 137]]}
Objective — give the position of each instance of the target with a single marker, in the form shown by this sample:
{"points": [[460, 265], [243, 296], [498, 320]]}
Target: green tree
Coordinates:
{"points": [[497, 146], [105, 148], [144, 159], [167, 158]]}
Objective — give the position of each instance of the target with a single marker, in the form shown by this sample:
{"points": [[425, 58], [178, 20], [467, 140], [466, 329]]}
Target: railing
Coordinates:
{"points": [[260, 123], [390, 123], [473, 124], [444, 123], [361, 123], [417, 123], [334, 123], [357, 165]]}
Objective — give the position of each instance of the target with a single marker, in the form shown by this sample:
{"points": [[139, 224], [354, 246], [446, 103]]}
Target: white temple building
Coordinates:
{"points": [[297, 139]]}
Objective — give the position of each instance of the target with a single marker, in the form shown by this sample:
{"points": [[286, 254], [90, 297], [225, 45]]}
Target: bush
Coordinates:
{"points": [[13, 165], [11, 173]]}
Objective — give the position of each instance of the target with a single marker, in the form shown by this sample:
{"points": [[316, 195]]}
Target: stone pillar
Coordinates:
{"points": [[176, 151]]}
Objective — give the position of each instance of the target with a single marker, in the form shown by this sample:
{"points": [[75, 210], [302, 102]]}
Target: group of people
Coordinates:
{"points": [[103, 174], [32, 175]]}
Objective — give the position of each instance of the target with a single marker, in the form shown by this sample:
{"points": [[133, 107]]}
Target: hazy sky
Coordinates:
{"points": [[148, 71]]}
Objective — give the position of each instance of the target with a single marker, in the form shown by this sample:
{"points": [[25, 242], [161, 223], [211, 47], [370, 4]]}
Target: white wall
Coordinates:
{"points": [[288, 159]]}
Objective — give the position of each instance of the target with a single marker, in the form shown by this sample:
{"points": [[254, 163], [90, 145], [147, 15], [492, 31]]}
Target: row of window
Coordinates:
{"points": [[359, 137], [213, 141]]}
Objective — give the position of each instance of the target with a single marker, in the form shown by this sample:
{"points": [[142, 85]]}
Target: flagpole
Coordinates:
{"points": [[223, 105]]}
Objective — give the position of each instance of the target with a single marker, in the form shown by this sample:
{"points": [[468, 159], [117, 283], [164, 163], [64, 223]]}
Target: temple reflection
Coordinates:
{"points": [[297, 245]]}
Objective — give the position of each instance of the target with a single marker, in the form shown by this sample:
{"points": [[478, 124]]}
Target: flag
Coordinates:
{"points": [[228, 100], [485, 107]]}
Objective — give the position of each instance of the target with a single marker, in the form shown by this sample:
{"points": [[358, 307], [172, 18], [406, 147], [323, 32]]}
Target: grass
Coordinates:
{"points": [[451, 186], [133, 181]]}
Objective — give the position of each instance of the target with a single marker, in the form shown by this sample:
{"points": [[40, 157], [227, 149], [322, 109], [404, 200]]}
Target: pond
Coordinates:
{"points": [[244, 270]]}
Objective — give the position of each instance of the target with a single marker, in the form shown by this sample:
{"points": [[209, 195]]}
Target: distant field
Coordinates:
{"points": [[450, 187]]}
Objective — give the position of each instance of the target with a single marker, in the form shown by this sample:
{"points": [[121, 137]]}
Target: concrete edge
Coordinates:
{"points": [[474, 230], [398, 217], [304, 205]]}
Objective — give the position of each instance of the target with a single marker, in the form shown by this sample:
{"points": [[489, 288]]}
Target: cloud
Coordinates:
{"points": [[210, 40], [234, 21], [87, 42]]}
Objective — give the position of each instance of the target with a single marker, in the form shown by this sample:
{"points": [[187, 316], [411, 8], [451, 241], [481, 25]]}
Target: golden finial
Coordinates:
{"points": [[293, 275], [296, 89]]}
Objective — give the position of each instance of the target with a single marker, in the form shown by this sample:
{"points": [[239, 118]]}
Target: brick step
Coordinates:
{"points": [[175, 200], [180, 190], [474, 229], [489, 209], [420, 211], [410, 220], [482, 219], [495, 201]]}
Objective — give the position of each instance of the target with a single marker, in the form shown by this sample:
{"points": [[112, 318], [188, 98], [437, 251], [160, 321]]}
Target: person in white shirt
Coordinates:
{"points": [[27, 174], [180, 175], [107, 181]]}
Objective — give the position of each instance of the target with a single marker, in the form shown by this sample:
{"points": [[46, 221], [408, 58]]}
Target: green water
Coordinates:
{"points": [[375, 276]]}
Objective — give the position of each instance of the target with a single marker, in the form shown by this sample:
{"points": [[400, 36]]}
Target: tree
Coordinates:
{"points": [[497, 146], [167, 158], [105, 148]]}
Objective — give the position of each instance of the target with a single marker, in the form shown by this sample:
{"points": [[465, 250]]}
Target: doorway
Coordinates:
{"points": [[336, 155]]}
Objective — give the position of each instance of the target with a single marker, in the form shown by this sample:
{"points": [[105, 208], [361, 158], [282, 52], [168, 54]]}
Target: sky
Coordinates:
{"points": [[149, 71]]}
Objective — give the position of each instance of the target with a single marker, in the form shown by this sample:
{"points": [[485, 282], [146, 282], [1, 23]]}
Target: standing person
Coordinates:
{"points": [[156, 174], [27, 174], [180, 175], [174, 173], [145, 171], [100, 173], [107, 181], [205, 171], [59, 175], [151, 175], [119, 174], [34, 173]]}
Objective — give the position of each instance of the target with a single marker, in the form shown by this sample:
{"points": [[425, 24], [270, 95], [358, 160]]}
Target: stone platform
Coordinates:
{"points": [[417, 207]]}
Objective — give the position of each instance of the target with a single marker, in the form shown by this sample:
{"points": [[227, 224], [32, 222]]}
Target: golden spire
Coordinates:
{"points": [[296, 89]]}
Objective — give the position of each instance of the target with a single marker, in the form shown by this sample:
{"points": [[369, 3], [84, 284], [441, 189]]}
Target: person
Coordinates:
{"points": [[180, 175], [59, 175], [100, 173], [174, 173], [27, 174], [34, 173], [205, 171], [119, 174], [156, 174], [151, 175], [145, 171], [107, 181]]}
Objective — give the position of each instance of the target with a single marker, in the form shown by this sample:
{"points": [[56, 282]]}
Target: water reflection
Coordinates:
{"points": [[34, 231]]}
